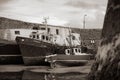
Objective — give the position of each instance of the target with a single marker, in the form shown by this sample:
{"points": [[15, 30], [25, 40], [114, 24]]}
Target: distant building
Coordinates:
{"points": [[88, 37], [61, 34]]}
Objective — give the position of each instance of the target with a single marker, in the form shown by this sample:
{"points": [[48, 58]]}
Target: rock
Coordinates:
{"points": [[107, 61]]}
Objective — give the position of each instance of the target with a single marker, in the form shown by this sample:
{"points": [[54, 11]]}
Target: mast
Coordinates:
{"points": [[70, 37], [84, 25], [45, 21]]}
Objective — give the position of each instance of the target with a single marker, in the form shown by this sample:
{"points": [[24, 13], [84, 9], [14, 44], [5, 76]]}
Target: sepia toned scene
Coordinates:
{"points": [[59, 40]]}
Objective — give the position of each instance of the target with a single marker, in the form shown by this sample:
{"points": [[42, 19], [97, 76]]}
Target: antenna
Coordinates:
{"points": [[70, 36], [84, 26], [45, 21]]}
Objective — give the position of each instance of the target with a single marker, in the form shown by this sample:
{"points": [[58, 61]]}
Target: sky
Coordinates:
{"points": [[59, 12]]}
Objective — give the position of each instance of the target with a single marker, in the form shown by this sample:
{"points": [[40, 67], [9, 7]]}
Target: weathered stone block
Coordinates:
{"points": [[107, 62]]}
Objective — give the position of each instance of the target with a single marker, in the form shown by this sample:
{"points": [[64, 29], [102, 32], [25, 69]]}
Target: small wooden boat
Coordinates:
{"points": [[75, 59]]}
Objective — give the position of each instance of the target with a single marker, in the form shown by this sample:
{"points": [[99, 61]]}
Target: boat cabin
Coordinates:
{"points": [[41, 37], [73, 51]]}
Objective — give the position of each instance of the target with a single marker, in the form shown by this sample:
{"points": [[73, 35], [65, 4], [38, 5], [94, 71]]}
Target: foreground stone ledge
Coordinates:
{"points": [[107, 61]]}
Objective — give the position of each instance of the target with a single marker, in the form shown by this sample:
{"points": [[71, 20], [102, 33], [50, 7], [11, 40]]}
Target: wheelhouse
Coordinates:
{"points": [[73, 51]]}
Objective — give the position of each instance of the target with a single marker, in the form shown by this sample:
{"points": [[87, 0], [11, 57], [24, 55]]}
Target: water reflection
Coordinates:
{"points": [[28, 75], [11, 75]]}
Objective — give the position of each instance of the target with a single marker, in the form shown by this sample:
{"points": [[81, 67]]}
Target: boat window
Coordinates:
{"points": [[35, 28], [43, 37], [17, 32], [22, 39], [57, 31], [48, 30], [34, 32], [47, 38], [67, 51], [43, 28], [73, 37], [76, 50], [37, 36], [79, 50], [33, 36]]}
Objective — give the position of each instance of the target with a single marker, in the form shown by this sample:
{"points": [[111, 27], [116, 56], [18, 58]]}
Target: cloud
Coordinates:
{"points": [[86, 3], [82, 4], [62, 12], [3, 2], [95, 10]]}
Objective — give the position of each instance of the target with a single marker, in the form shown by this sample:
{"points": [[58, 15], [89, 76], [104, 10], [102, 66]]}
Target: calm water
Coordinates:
{"points": [[27, 75]]}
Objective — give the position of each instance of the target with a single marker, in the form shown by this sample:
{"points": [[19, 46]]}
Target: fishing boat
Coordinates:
{"points": [[34, 51], [9, 52], [71, 57], [35, 47]]}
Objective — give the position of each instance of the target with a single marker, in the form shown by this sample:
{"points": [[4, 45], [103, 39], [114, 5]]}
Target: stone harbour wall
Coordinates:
{"points": [[107, 62]]}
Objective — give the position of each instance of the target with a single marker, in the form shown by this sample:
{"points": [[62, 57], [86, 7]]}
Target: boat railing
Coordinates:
{"points": [[49, 56]]}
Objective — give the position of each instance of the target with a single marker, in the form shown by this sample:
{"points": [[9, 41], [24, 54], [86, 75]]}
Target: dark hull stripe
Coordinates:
{"points": [[11, 59], [10, 55], [34, 61]]}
